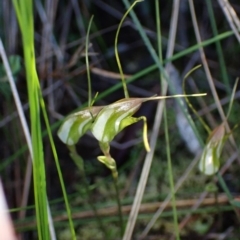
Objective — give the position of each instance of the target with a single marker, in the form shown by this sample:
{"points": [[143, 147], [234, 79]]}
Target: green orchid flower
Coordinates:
{"points": [[113, 118], [210, 160], [77, 124]]}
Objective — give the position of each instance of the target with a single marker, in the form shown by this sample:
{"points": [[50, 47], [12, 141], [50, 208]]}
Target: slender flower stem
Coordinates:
{"points": [[114, 174], [79, 162]]}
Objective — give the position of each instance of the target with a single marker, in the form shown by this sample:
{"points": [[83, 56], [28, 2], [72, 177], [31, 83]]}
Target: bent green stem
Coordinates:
{"points": [[116, 50], [79, 163]]}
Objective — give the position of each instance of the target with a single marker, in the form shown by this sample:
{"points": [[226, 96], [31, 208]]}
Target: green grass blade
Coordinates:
{"points": [[169, 161], [24, 10], [71, 226], [170, 173]]}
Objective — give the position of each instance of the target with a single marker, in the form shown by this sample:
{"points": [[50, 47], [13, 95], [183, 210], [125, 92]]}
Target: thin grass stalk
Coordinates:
{"points": [[144, 175], [232, 98], [148, 44], [22, 120], [222, 63], [171, 180], [169, 161], [231, 17], [68, 208], [205, 65], [18, 103], [190, 104], [170, 174], [158, 118], [160, 210], [148, 159], [146, 40], [170, 52], [126, 94], [196, 47], [159, 47], [87, 64]]}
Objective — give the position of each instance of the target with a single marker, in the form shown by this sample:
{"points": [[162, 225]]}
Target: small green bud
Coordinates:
{"points": [[108, 162]]}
